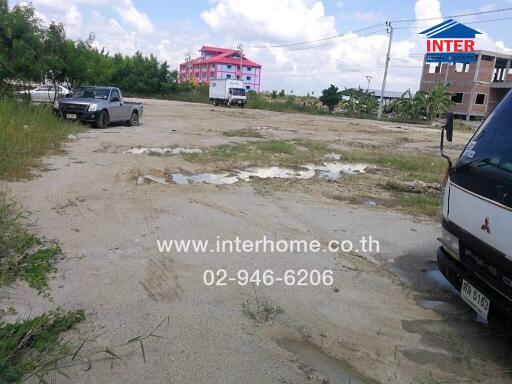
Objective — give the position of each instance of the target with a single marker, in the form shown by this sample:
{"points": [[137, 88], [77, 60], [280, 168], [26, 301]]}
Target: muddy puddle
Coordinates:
{"points": [[161, 151], [331, 170], [333, 370]]}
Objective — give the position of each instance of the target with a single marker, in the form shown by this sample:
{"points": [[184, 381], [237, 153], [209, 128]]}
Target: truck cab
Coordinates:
{"points": [[476, 245]]}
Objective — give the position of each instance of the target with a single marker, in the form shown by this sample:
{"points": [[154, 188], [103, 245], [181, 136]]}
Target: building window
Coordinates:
{"points": [[228, 76], [480, 98], [212, 75], [212, 66], [457, 97], [248, 78], [247, 87], [249, 69], [229, 66], [238, 77], [461, 67], [434, 68]]}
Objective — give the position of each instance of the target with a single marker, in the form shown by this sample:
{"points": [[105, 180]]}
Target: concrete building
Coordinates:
{"points": [[477, 87], [221, 63]]}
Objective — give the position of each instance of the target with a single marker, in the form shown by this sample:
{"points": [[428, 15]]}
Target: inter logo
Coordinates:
{"points": [[450, 41]]}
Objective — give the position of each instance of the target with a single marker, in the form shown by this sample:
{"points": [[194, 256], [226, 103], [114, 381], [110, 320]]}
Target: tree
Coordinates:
{"points": [[21, 46], [331, 97], [440, 101], [55, 57], [282, 93]]}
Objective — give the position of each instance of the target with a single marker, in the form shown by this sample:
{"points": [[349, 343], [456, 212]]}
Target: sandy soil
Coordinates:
{"points": [[388, 319]]}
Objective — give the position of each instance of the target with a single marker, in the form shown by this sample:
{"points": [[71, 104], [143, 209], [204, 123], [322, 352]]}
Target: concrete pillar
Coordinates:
{"points": [[475, 81]]}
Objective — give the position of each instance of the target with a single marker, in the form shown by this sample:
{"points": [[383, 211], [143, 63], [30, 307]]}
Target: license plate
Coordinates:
{"points": [[475, 299], [71, 116]]}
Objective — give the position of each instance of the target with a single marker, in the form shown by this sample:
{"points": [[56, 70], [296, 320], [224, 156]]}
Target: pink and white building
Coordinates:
{"points": [[221, 63]]}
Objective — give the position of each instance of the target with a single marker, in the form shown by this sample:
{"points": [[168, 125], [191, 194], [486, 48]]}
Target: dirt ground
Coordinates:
{"points": [[388, 318]]}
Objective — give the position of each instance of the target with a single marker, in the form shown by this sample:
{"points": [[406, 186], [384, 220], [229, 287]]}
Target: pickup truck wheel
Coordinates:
{"points": [[134, 119], [102, 121]]}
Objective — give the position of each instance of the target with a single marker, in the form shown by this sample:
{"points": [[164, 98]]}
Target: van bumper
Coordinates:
{"points": [[500, 312]]}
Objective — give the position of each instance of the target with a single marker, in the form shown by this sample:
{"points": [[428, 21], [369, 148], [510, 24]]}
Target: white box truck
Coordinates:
{"points": [[227, 92], [476, 245]]}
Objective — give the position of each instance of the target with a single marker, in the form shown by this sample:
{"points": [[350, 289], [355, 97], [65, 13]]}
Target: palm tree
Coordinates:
{"points": [[440, 101]]}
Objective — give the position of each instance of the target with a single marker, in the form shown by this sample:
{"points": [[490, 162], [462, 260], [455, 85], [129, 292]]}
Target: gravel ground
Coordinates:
{"points": [[389, 318]]}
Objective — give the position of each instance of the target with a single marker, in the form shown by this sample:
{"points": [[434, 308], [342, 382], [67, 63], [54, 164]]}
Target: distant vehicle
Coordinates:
{"points": [[45, 93], [99, 105], [476, 245], [227, 92]]}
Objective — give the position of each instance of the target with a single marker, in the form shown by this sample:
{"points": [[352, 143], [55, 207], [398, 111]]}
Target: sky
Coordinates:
{"points": [[171, 29]]}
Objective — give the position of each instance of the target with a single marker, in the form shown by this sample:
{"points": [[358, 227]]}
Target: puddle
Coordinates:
{"points": [[431, 304], [440, 280], [151, 179], [161, 151], [330, 171], [333, 370], [208, 178], [332, 156], [327, 170]]}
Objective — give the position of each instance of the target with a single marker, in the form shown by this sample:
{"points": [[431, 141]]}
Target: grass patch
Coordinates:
{"points": [[22, 254], [415, 203], [270, 152], [462, 126], [264, 311], [243, 133], [276, 146], [32, 347], [418, 166], [27, 132]]}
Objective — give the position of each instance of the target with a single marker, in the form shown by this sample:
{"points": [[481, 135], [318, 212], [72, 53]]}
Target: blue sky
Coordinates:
{"points": [[169, 29]]}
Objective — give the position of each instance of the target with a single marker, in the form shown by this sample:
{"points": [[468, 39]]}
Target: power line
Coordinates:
{"points": [[332, 42], [309, 74], [393, 21], [449, 17], [469, 22], [314, 41]]}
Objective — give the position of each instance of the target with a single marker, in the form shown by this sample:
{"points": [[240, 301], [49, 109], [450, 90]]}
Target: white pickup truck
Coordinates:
{"points": [[227, 92]]}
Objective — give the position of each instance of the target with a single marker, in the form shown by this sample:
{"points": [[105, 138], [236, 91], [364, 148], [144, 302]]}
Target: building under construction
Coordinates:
{"points": [[477, 87]]}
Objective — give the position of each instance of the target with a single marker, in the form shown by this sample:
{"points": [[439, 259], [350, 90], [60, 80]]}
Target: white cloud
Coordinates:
{"points": [[270, 20], [133, 17], [73, 22], [427, 9]]}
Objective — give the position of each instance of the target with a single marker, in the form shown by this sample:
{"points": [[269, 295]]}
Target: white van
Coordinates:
{"points": [[476, 251]]}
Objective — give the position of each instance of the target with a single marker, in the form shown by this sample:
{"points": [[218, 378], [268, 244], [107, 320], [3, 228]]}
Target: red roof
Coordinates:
{"points": [[223, 57]]}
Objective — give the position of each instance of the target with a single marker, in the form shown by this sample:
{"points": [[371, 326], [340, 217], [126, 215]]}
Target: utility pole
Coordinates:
{"points": [[240, 50], [369, 78], [187, 60], [389, 29]]}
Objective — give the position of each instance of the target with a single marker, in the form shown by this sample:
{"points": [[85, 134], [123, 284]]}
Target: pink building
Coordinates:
{"points": [[221, 63]]}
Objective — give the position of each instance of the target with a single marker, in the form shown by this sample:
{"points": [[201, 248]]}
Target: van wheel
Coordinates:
{"points": [[242, 105], [134, 119], [215, 102], [102, 121]]}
